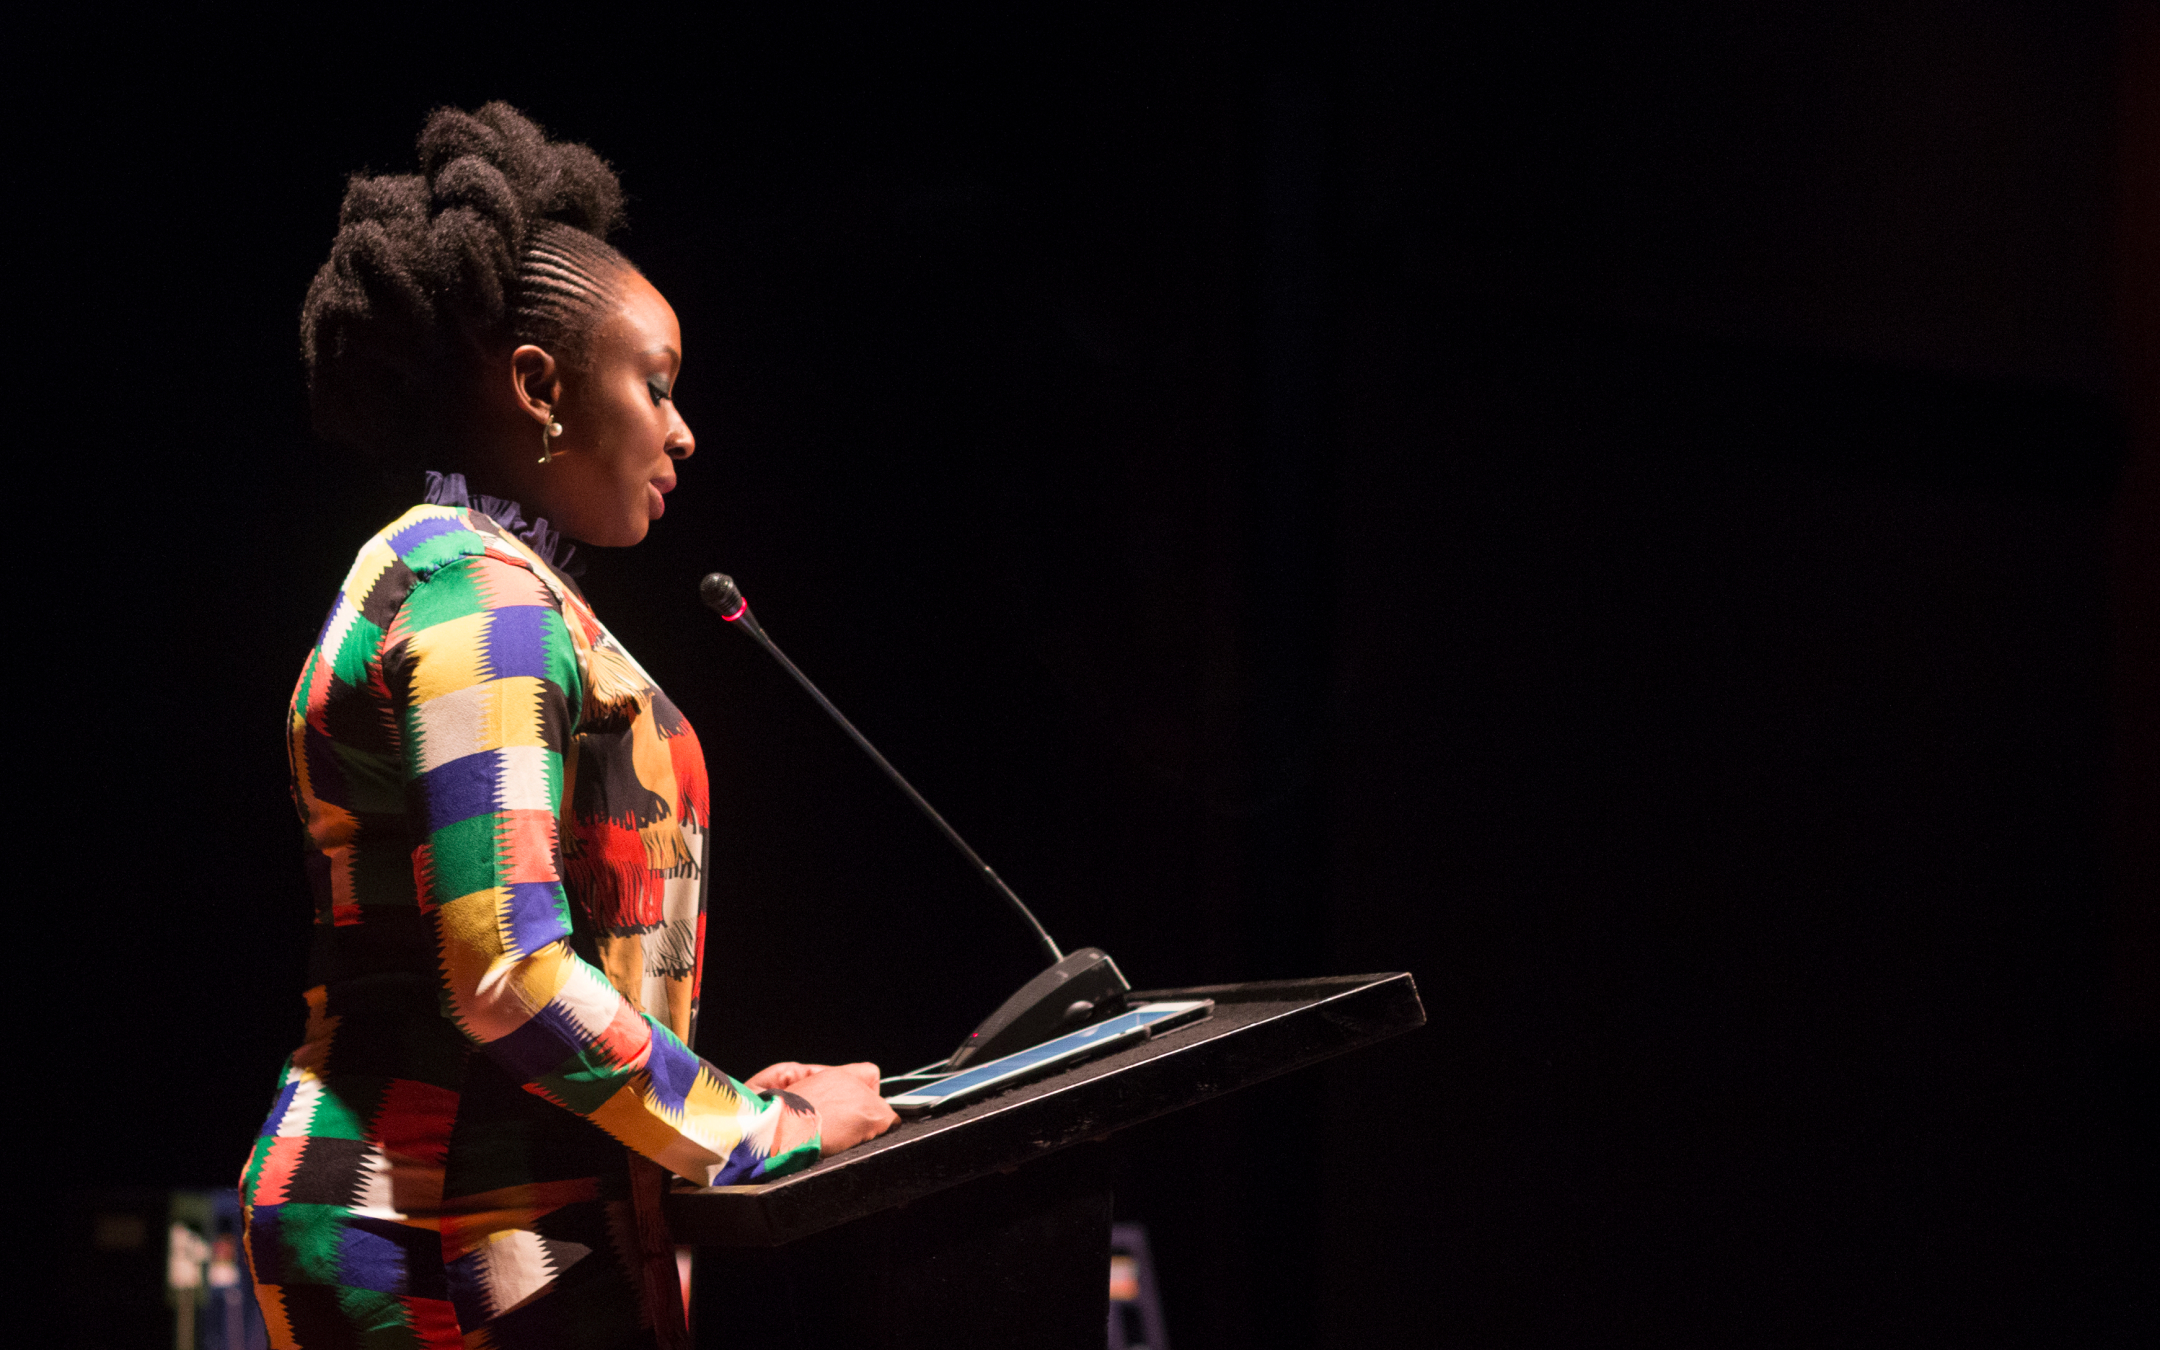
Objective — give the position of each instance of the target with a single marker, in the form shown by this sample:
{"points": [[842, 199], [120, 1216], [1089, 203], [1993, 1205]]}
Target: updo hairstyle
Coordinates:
{"points": [[498, 240]]}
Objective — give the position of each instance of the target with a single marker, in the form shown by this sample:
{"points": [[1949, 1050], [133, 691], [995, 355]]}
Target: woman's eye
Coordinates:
{"points": [[659, 389]]}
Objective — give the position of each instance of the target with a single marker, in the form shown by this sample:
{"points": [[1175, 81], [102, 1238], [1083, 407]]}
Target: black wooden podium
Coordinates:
{"points": [[985, 1226]]}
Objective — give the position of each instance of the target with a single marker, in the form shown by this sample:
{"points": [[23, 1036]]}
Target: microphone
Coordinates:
{"points": [[719, 593], [1073, 991]]}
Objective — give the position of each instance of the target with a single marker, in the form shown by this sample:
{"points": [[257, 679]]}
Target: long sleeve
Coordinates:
{"points": [[484, 681]]}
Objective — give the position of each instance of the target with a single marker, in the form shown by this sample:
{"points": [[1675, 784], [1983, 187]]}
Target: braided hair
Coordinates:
{"points": [[500, 239]]}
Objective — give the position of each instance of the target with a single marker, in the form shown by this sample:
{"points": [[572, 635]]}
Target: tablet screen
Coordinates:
{"points": [[1131, 1025]]}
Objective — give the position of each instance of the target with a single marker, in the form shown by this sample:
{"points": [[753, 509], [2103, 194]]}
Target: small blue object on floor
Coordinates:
{"points": [[1135, 1303]]}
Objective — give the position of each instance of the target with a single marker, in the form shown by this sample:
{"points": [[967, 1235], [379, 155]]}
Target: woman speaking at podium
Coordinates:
{"points": [[505, 818]]}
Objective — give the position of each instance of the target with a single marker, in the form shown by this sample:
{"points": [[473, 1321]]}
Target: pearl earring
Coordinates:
{"points": [[547, 440]]}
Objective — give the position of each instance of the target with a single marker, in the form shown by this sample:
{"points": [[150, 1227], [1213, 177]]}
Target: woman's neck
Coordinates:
{"points": [[452, 489]]}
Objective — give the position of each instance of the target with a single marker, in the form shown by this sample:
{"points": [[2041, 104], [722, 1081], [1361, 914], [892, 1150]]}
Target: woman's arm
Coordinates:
{"points": [[485, 682]]}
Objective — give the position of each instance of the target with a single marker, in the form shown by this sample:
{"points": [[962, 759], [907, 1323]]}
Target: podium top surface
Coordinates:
{"points": [[1257, 1031]]}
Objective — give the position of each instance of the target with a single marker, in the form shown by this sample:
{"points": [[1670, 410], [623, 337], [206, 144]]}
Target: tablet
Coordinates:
{"points": [[1136, 1024]]}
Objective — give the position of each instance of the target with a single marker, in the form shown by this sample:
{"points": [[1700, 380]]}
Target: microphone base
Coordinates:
{"points": [[1083, 987]]}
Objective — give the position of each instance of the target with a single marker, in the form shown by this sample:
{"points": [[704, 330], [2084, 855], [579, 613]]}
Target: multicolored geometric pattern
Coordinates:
{"points": [[505, 824]]}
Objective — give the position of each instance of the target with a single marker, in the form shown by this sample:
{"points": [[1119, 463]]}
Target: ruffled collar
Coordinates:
{"points": [[448, 489]]}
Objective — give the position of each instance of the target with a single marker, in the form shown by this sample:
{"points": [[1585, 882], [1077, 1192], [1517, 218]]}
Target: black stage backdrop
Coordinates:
{"points": [[1606, 515]]}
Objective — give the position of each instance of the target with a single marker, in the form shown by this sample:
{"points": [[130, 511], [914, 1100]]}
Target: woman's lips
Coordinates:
{"points": [[656, 499]]}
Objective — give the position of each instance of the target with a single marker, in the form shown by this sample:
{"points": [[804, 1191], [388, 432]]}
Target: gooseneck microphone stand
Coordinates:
{"points": [[1072, 992]]}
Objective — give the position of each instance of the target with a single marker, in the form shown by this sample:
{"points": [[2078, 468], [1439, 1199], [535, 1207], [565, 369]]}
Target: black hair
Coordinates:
{"points": [[499, 239]]}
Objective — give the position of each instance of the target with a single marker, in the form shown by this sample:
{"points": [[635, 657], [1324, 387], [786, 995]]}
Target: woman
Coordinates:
{"points": [[505, 818]]}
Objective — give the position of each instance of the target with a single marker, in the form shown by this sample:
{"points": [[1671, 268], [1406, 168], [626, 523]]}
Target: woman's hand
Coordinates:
{"points": [[777, 1077], [849, 1109]]}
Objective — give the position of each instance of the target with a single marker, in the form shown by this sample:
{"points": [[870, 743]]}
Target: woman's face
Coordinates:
{"points": [[615, 460]]}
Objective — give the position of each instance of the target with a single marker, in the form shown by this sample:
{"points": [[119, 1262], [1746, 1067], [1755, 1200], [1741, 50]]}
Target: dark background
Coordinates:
{"points": [[1607, 513]]}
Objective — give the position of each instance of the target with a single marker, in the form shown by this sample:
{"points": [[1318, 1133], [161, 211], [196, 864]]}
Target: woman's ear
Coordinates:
{"points": [[536, 381]]}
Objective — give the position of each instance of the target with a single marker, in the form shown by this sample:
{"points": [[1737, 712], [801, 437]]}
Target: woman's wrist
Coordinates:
{"points": [[798, 1126]]}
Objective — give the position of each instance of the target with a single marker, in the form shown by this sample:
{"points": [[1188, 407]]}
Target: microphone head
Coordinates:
{"points": [[718, 592]]}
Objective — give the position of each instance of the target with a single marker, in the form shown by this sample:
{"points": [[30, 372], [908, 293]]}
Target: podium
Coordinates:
{"points": [[989, 1225]]}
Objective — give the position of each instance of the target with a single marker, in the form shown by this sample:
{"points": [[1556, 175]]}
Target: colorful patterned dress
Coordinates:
{"points": [[506, 824]]}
